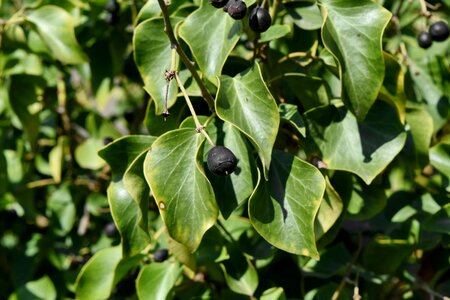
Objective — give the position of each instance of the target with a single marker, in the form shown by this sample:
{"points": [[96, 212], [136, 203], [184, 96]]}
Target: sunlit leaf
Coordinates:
{"points": [[359, 23], [283, 209], [245, 102], [179, 185], [56, 27]]}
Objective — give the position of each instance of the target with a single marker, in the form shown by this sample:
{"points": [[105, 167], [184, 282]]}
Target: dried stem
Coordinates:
{"points": [[189, 64], [199, 127]]}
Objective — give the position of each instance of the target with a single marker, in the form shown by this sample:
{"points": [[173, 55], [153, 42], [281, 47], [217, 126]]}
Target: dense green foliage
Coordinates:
{"points": [[335, 184]]}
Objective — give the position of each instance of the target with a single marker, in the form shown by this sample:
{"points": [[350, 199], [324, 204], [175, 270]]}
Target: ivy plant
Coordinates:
{"points": [[224, 149]]}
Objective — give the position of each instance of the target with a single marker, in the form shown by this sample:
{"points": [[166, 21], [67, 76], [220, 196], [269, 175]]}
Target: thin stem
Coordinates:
{"points": [[190, 65], [199, 127], [424, 9]]}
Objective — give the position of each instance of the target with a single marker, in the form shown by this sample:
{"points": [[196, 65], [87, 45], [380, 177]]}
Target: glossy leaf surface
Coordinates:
{"points": [[283, 209], [245, 102], [182, 192], [359, 23]]}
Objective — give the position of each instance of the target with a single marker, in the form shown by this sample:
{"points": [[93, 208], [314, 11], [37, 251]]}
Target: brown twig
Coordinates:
{"points": [[187, 62]]}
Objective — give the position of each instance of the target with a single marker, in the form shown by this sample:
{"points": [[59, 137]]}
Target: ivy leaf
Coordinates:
{"points": [[363, 148], [330, 209], [183, 194], [359, 23], [156, 280], [427, 92], [96, 278], [245, 102], [211, 35], [240, 274], [231, 191], [56, 27], [137, 187], [440, 157], [153, 61], [283, 209], [128, 214], [289, 113]]}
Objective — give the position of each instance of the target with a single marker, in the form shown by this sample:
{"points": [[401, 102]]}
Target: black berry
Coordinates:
{"points": [[424, 40], [112, 7], [110, 229], [439, 31], [259, 19], [160, 255], [218, 3], [221, 161], [237, 9]]}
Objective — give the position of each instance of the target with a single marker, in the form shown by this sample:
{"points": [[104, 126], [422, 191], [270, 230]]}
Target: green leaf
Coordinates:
{"points": [[154, 61], [127, 148], [137, 187], [330, 209], [42, 288], [86, 154], [427, 92], [127, 214], [289, 113], [365, 201], [245, 102], [274, 32], [211, 35], [56, 27], [231, 191], [183, 194], [440, 157], [385, 256], [421, 126], [283, 209], [156, 280], [62, 209], [352, 31], [96, 278], [307, 16], [273, 294], [240, 274], [364, 148], [332, 261], [440, 221]]}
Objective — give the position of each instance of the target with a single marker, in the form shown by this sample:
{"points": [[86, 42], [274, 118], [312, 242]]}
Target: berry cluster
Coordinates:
{"points": [[259, 18], [112, 12], [438, 32]]}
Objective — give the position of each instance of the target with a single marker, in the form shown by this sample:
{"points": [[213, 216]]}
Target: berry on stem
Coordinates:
{"points": [[237, 9], [221, 161], [439, 31], [160, 255], [424, 40], [259, 19]]}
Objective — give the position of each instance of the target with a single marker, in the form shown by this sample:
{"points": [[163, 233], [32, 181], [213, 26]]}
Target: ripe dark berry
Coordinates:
{"points": [[218, 3], [110, 229], [107, 140], [221, 161], [237, 9], [112, 7], [424, 40], [439, 31], [160, 255], [259, 19]]}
